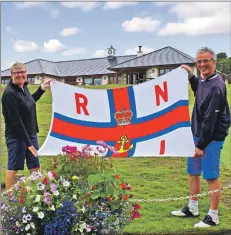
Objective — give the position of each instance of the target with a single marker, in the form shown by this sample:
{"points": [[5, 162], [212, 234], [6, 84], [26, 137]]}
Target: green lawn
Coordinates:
{"points": [[156, 177]]}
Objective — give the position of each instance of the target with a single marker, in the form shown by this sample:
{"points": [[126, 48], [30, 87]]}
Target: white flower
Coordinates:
{"points": [[24, 219], [83, 209], [56, 193], [17, 224], [53, 208], [74, 196], [35, 209], [28, 188], [32, 225], [38, 197], [66, 183], [41, 215], [82, 227], [24, 209], [40, 186], [28, 234], [28, 217], [27, 227]]}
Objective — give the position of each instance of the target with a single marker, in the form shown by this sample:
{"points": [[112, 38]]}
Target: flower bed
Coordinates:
{"points": [[82, 194]]}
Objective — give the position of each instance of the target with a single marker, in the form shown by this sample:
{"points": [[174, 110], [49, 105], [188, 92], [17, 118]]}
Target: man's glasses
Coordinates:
{"points": [[204, 61], [19, 72]]}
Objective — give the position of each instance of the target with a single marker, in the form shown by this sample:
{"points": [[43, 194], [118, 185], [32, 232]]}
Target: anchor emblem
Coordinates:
{"points": [[124, 147]]}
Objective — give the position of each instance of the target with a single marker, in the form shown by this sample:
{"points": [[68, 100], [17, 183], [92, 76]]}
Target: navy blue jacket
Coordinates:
{"points": [[211, 114], [19, 111]]}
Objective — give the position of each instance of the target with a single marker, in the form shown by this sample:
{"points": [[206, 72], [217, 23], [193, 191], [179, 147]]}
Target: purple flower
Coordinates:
{"points": [[69, 149], [17, 186], [102, 143], [113, 150], [53, 187], [35, 175], [47, 198], [101, 150]]}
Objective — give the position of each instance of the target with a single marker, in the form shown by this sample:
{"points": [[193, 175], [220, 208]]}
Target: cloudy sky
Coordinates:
{"points": [[60, 31]]}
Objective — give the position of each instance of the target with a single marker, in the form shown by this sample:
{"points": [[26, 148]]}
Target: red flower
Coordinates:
{"points": [[125, 186], [117, 176], [24, 190], [122, 185], [21, 199], [135, 214], [54, 174], [124, 198], [45, 180], [108, 198], [136, 206], [72, 157]]}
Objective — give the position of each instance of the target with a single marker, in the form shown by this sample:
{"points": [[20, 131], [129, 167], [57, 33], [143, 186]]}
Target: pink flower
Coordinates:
{"points": [[101, 150], [102, 143], [112, 149], [69, 149], [51, 175], [53, 187], [47, 198]]}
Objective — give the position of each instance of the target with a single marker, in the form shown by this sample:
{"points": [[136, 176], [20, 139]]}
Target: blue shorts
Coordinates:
{"points": [[209, 163], [18, 152]]}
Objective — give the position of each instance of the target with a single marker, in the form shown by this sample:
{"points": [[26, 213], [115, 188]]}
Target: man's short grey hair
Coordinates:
{"points": [[17, 65], [206, 49]]}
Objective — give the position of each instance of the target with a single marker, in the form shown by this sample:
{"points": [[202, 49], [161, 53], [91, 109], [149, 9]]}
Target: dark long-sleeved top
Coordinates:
{"points": [[211, 114], [19, 111]]}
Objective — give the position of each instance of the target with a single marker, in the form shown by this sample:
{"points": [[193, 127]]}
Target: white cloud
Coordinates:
{"points": [[198, 18], [100, 53], [53, 45], [116, 5], [25, 46], [24, 5], [54, 12], [11, 30], [69, 31], [134, 50], [74, 51], [85, 6], [137, 24]]}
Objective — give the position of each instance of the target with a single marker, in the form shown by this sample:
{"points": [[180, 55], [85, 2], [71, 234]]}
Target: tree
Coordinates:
{"points": [[224, 65], [222, 55]]}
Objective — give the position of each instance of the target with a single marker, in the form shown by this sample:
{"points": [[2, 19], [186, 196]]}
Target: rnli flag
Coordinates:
{"points": [[144, 120]]}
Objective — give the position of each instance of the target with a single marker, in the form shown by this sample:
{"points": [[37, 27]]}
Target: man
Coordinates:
{"points": [[21, 127], [210, 124]]}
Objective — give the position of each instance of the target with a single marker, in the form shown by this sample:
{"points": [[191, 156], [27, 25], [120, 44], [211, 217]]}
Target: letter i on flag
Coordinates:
{"points": [[145, 120]]}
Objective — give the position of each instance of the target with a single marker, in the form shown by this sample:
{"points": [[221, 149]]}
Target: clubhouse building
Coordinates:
{"points": [[129, 69]]}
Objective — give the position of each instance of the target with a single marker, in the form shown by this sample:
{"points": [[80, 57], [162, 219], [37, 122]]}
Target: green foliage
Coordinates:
{"points": [[224, 65], [221, 55]]}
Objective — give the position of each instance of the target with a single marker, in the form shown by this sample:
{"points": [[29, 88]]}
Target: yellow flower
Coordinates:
{"points": [[75, 177]]}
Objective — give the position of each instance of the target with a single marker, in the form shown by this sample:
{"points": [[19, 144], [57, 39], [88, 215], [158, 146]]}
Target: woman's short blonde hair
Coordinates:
{"points": [[17, 65]]}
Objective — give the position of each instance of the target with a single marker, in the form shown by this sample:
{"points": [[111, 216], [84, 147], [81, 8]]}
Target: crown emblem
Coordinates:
{"points": [[123, 117]]}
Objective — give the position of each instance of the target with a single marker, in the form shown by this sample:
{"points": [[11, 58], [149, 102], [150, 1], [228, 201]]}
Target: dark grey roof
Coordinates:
{"points": [[165, 56], [35, 67], [89, 66], [71, 68]]}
